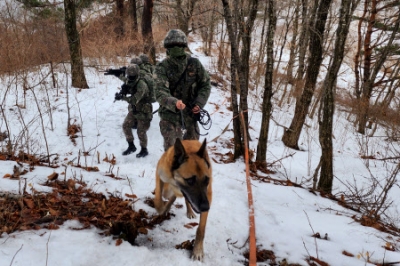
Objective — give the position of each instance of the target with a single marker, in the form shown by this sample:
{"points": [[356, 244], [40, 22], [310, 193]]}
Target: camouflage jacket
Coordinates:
{"points": [[146, 68], [139, 99], [193, 89]]}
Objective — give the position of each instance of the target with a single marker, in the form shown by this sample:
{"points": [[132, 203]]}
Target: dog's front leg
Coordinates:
{"points": [[198, 252], [189, 211], [167, 206], [158, 201]]}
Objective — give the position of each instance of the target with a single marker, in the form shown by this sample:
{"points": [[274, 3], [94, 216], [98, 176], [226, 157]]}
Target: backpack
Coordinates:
{"points": [[150, 84]]}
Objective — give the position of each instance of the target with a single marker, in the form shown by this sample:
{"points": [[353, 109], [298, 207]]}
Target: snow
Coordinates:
{"points": [[286, 217]]}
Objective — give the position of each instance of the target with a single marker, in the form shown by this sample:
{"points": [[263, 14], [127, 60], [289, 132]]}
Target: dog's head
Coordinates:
{"points": [[192, 173]]}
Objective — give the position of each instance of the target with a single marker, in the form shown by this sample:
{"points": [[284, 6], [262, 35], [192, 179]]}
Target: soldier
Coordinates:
{"points": [[139, 62], [182, 88], [146, 65], [139, 108]]}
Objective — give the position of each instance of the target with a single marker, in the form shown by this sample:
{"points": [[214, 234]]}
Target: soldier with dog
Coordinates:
{"points": [[182, 90]]}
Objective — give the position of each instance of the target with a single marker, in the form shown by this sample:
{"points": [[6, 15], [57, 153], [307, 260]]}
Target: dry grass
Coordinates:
{"points": [[28, 43]]}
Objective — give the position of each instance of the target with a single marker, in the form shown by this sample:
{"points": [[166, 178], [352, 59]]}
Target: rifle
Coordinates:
{"points": [[123, 92], [116, 72]]}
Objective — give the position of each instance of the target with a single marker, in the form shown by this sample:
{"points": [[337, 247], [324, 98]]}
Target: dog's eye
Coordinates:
{"points": [[191, 181], [206, 180]]}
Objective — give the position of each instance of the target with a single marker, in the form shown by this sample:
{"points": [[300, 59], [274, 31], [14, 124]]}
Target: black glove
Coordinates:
{"points": [[118, 96], [133, 108], [124, 89]]}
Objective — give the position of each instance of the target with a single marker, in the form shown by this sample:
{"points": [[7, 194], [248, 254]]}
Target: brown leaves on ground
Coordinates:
{"points": [[71, 202], [188, 245], [263, 255], [71, 132], [315, 261]]}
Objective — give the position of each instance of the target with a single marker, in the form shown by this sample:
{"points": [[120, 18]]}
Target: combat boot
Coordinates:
{"points": [[143, 153], [131, 148]]}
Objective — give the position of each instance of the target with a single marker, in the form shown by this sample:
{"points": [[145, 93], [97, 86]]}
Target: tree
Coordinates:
{"points": [[328, 97], [267, 104], [317, 25], [239, 29], [147, 31], [374, 52], [133, 15], [119, 27], [77, 72]]}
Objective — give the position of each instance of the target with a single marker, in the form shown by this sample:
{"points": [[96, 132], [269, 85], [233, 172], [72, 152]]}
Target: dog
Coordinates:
{"points": [[184, 170]]}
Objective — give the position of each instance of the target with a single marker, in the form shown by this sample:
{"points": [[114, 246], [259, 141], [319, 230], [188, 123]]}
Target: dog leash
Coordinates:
{"points": [[183, 127]]}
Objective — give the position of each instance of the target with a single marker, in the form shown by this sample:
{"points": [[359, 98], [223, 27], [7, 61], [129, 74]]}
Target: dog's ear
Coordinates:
{"points": [[180, 155], [202, 152]]}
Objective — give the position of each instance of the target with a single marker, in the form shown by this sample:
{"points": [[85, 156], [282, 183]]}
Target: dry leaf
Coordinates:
{"points": [[344, 252], [132, 196], [53, 227], [118, 242], [7, 176], [53, 212], [71, 184], [191, 225], [29, 203], [142, 230], [53, 176]]}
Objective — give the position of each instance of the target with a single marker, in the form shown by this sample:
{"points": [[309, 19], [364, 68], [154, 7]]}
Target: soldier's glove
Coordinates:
{"points": [[133, 108], [118, 96], [124, 89]]}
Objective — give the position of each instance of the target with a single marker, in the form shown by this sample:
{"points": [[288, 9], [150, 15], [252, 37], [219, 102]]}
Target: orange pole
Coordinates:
{"points": [[252, 224]]}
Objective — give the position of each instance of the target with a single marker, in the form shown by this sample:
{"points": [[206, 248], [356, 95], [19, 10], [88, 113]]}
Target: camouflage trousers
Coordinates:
{"points": [[142, 127], [171, 131]]}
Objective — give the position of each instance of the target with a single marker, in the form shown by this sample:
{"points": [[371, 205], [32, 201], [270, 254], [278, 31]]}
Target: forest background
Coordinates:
{"points": [[282, 53]]}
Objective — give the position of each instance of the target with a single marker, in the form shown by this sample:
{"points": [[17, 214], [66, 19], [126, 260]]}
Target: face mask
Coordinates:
{"points": [[132, 78], [176, 51]]}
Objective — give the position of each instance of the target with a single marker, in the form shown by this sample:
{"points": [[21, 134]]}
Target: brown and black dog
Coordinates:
{"points": [[184, 170]]}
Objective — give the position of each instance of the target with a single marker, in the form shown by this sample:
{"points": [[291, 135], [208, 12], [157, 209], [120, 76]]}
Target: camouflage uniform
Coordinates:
{"points": [[140, 109], [193, 89], [146, 65]]}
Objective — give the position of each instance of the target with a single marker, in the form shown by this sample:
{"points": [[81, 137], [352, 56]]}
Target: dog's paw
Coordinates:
{"points": [[190, 214], [198, 257], [198, 253]]}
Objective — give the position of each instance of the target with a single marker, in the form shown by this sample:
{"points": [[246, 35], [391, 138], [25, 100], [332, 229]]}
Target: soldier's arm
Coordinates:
{"points": [[141, 91], [163, 94], [203, 86]]}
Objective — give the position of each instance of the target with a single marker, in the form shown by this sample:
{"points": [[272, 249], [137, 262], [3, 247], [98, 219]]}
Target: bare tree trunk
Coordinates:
{"points": [[77, 72], [133, 15], [293, 48], [238, 144], [147, 30], [244, 60], [267, 104], [303, 42], [119, 28], [291, 136], [328, 98]]}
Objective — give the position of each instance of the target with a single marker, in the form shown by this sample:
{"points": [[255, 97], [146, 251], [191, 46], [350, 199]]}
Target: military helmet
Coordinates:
{"points": [[175, 37], [136, 60], [145, 58], [132, 71]]}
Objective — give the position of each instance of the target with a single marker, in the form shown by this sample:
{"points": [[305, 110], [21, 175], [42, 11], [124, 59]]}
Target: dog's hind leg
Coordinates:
{"points": [[189, 211], [198, 252]]}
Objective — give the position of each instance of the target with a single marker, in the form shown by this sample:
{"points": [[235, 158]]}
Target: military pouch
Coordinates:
{"points": [[144, 108], [148, 108]]}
